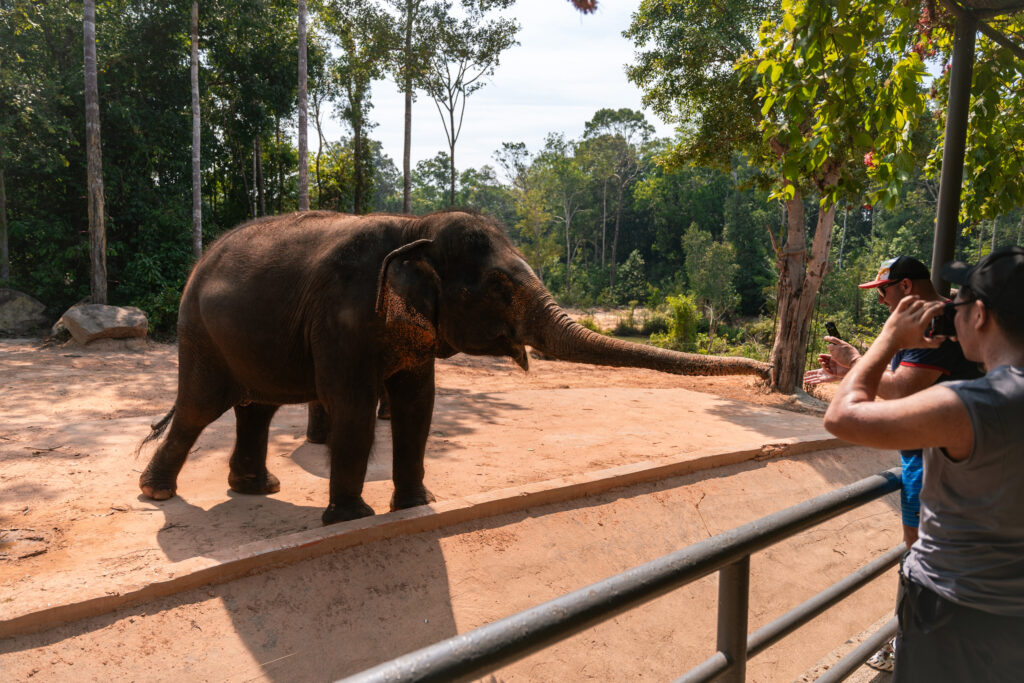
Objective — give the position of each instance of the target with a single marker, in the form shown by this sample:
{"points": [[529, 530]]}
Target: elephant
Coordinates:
{"points": [[333, 309]]}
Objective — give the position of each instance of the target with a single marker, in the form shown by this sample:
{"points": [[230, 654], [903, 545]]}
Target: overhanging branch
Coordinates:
{"points": [[993, 34]]}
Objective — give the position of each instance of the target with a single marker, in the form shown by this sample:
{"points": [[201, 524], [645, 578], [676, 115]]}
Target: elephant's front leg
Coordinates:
{"points": [[412, 407], [352, 424]]}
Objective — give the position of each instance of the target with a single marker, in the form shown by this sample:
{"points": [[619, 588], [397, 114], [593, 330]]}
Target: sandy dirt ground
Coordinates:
{"points": [[71, 516]]}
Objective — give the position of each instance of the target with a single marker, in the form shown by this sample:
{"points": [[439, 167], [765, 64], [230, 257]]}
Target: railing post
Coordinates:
{"points": [[733, 608]]}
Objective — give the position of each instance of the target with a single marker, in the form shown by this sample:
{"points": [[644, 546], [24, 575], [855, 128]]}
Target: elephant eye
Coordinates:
{"points": [[500, 288]]}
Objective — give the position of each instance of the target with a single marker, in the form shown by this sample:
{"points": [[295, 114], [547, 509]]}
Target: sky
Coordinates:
{"points": [[567, 66]]}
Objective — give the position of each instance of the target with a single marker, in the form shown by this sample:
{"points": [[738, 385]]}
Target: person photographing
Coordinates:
{"points": [[909, 371], [962, 610]]}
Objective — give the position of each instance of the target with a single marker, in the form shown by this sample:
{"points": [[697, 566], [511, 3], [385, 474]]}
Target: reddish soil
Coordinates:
{"points": [[71, 415]]}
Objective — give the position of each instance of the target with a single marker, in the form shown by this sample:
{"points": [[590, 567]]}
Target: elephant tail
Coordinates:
{"points": [[155, 430]]}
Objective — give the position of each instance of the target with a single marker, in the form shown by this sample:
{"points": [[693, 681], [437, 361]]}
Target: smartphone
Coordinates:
{"points": [[832, 330], [943, 324]]}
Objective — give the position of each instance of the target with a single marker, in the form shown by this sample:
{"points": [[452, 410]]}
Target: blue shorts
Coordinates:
{"points": [[910, 494]]}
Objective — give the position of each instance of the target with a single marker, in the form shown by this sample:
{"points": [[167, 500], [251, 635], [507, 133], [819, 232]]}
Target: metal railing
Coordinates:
{"points": [[469, 655]]}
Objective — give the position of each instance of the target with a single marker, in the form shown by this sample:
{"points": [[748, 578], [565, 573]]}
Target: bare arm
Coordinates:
{"points": [[903, 381], [934, 417], [906, 380]]}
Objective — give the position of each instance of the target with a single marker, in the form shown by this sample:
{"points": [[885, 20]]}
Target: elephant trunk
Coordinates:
{"points": [[548, 328]]}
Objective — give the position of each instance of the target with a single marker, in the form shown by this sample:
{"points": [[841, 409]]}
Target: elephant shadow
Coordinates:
{"points": [[190, 530], [314, 459], [336, 615]]}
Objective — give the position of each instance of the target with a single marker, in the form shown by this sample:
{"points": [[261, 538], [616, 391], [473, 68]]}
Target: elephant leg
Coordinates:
{"points": [[349, 443], [318, 424], [384, 409], [205, 391], [249, 458], [159, 480], [412, 408]]}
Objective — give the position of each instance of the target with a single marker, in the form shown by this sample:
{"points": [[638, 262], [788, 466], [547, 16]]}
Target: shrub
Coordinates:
{"points": [[655, 323], [588, 322], [682, 325]]}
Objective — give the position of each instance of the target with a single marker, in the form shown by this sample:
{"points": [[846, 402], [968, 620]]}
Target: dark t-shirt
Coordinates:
{"points": [[948, 359]]}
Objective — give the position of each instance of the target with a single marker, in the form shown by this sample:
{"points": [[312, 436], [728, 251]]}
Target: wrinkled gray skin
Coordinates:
{"points": [[329, 309]]}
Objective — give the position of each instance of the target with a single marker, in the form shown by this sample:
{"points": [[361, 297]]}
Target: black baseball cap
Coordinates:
{"points": [[998, 279], [896, 269]]}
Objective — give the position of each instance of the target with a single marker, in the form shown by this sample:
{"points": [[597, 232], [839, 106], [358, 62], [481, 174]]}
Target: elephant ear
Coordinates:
{"points": [[408, 288]]}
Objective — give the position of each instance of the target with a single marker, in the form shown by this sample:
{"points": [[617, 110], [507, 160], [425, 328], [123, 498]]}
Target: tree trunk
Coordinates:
{"points": [[257, 160], [357, 151], [5, 255], [279, 195], [615, 235], [197, 191], [842, 245], [800, 278], [319, 154], [303, 152], [604, 219], [451, 155], [97, 230], [568, 247], [407, 141], [245, 182]]}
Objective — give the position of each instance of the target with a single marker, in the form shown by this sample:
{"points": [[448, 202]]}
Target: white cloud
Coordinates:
{"points": [[567, 66]]}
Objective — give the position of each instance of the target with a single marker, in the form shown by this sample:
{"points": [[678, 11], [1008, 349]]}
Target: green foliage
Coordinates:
{"points": [[631, 284], [468, 51], [711, 268], [588, 322], [682, 328], [686, 50], [601, 218], [994, 162]]}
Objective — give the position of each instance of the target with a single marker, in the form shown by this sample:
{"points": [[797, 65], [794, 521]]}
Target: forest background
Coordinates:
{"points": [[692, 229]]}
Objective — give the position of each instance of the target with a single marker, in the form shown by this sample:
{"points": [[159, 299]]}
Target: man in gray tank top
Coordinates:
{"points": [[962, 613]]}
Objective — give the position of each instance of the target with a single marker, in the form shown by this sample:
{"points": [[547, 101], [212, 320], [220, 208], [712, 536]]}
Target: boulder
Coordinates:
{"points": [[90, 322], [20, 313]]}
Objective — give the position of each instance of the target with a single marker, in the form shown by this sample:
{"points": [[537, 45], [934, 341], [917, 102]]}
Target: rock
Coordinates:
{"points": [[20, 313], [90, 322]]}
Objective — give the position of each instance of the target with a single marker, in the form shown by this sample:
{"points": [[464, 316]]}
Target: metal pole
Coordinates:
{"points": [[958, 106], [733, 607]]}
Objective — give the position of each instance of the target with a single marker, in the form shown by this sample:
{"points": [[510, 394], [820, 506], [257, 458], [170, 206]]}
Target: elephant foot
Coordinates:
{"points": [[384, 412], [412, 499], [343, 512], [156, 488], [316, 434], [254, 484]]}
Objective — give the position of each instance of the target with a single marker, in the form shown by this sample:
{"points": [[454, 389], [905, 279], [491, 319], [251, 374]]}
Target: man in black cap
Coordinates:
{"points": [[962, 611], [910, 371]]}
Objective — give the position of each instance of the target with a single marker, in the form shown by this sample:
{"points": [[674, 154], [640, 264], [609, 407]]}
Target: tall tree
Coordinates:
{"points": [[323, 89], [409, 64], [197, 188], [252, 86], [303, 126], [97, 231], [711, 270], [564, 182], [533, 229], [365, 38], [621, 131], [469, 50]]}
